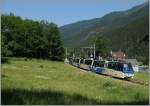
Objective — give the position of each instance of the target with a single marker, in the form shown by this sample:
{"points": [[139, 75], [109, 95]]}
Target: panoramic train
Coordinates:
{"points": [[118, 69], [86, 64]]}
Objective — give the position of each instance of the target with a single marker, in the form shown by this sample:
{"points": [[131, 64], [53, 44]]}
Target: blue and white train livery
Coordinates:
{"points": [[119, 69]]}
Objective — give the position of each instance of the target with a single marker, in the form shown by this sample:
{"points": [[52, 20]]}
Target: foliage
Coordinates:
{"points": [[123, 30], [102, 47], [25, 82], [132, 39], [28, 38], [144, 78], [4, 60], [84, 30]]}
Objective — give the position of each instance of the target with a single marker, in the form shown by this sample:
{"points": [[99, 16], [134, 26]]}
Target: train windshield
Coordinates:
{"points": [[129, 68], [99, 63], [88, 62]]}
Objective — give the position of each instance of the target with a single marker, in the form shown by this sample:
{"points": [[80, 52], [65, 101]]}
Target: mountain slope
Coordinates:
{"points": [[84, 30], [129, 39]]}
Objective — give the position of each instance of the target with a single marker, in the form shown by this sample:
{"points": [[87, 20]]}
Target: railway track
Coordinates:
{"points": [[132, 81], [138, 82], [128, 80]]}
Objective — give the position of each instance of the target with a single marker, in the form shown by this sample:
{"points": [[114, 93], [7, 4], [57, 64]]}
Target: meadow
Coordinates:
{"points": [[42, 82]]}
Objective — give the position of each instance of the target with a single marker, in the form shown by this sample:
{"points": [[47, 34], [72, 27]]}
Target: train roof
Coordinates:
{"points": [[123, 62], [99, 60], [89, 59]]}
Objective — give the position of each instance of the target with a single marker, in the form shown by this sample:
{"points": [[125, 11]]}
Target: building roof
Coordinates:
{"points": [[118, 54], [132, 61]]}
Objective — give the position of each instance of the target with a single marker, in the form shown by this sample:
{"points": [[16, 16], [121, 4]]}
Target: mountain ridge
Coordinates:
{"points": [[115, 19], [122, 29]]}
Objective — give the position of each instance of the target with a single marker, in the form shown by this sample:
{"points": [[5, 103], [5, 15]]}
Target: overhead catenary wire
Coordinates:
{"points": [[82, 52]]}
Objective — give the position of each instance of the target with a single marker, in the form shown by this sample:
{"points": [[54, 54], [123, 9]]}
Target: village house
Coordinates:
{"points": [[119, 55]]}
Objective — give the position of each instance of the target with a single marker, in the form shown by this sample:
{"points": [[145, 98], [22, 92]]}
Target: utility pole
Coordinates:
{"points": [[66, 60], [73, 53], [66, 52], [94, 50], [91, 52]]}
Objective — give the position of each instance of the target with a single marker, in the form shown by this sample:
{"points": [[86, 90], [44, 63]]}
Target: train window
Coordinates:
{"points": [[120, 67], [99, 63], [81, 61], [88, 62], [78, 60], [130, 67], [75, 60], [116, 66], [111, 65], [125, 65]]}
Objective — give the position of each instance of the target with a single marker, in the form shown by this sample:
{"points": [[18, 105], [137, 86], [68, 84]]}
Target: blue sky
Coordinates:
{"points": [[64, 12]]}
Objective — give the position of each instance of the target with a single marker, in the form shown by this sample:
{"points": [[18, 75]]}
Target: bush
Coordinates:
{"points": [[4, 60]]}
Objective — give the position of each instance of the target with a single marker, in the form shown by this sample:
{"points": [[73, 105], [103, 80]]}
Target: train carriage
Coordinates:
{"points": [[86, 64], [76, 62], [70, 60], [121, 69], [112, 68], [98, 66], [117, 69]]}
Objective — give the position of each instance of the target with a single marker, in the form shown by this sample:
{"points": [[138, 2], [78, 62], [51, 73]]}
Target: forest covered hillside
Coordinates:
{"points": [[122, 29], [29, 38]]}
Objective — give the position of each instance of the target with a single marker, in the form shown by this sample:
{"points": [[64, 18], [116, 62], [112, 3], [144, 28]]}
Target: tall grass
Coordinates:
{"points": [[141, 77], [44, 82], [40, 97], [18, 96]]}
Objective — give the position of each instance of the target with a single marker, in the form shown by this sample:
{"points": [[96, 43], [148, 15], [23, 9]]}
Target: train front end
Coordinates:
{"points": [[128, 71]]}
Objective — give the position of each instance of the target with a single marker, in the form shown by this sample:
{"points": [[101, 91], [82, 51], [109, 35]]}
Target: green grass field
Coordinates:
{"points": [[31, 81], [142, 78]]}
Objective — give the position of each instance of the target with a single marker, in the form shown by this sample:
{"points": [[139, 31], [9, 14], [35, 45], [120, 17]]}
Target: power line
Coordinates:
{"points": [[83, 51]]}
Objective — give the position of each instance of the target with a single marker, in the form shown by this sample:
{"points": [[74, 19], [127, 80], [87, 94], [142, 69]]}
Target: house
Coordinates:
{"points": [[134, 64], [119, 55]]}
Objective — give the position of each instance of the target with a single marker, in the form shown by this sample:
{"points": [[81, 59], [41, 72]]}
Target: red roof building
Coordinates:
{"points": [[119, 55]]}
